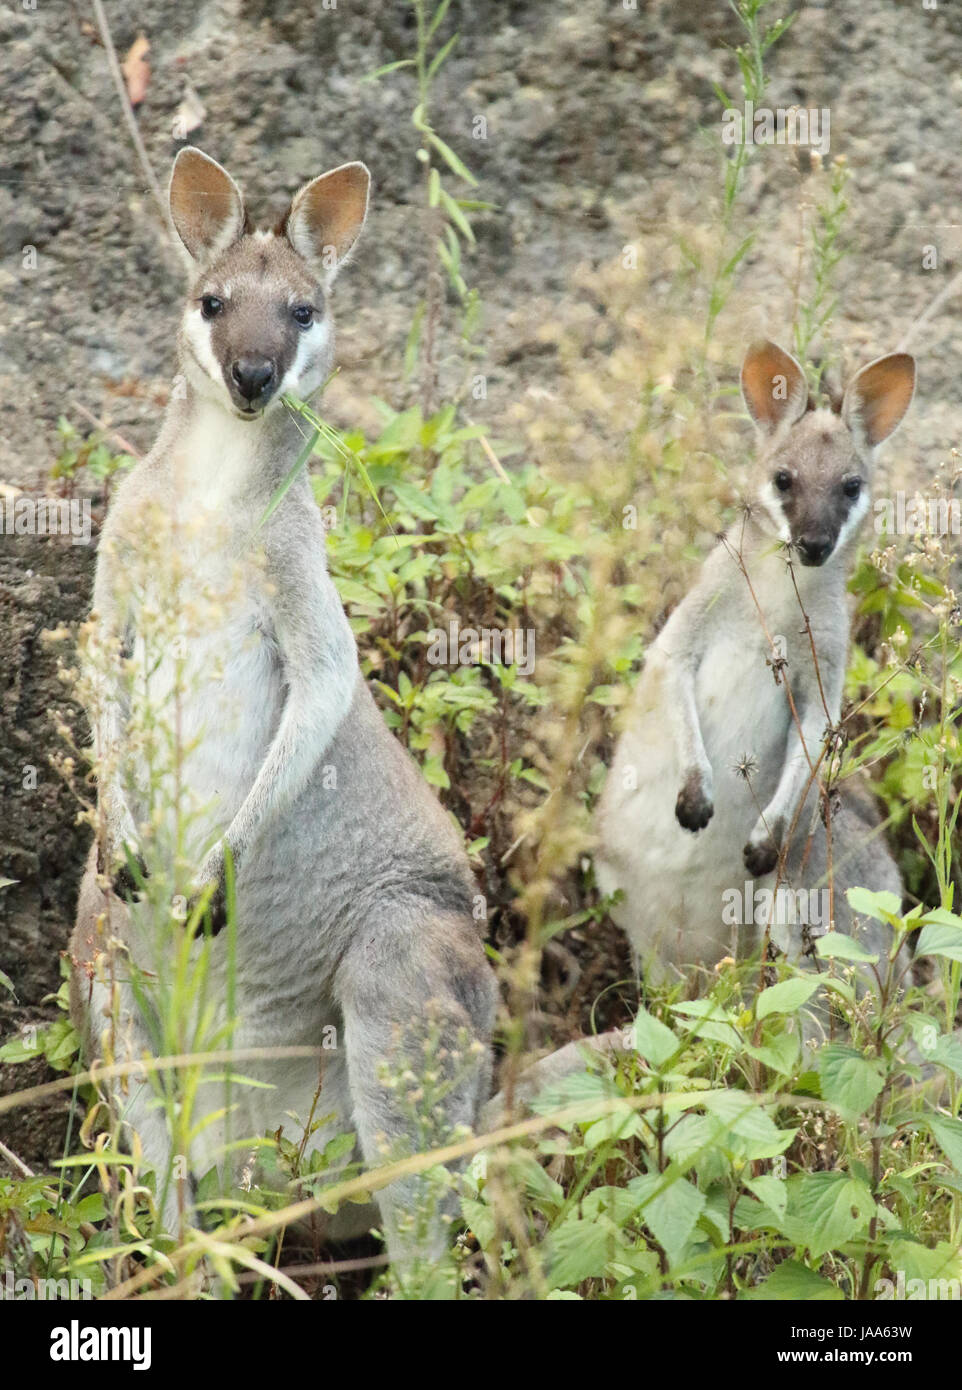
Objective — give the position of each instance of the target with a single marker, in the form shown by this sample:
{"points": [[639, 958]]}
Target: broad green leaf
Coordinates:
{"points": [[791, 1281], [618, 1203], [786, 997], [622, 1123], [713, 1021], [771, 1192], [937, 916], [937, 940], [850, 1082], [780, 1053], [835, 945], [948, 1135], [751, 1131], [586, 1089], [480, 1219], [670, 1213], [825, 1210], [880, 906], [578, 1250], [655, 1042]]}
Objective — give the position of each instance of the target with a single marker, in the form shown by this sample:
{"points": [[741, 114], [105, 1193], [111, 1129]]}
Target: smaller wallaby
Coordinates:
{"points": [[714, 781], [261, 745]]}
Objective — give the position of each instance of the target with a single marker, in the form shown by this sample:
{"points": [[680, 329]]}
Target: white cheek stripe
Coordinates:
{"points": [[769, 500], [197, 333], [854, 519], [310, 350]]}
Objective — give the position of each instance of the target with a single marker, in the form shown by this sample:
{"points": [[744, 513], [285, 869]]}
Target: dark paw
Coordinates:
{"points": [[214, 918], [760, 859], [693, 809], [129, 880]]}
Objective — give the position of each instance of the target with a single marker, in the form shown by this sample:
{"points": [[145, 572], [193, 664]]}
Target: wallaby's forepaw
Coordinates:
{"points": [[760, 858], [216, 909], [694, 808], [125, 883]]}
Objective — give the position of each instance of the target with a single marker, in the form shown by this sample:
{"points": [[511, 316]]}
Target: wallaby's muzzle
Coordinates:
{"points": [[814, 549], [251, 382]]}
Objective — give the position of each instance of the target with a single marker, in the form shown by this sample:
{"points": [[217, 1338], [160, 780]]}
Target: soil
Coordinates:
{"points": [[601, 125]]}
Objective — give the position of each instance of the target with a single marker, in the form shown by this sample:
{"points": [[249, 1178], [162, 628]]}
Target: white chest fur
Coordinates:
{"points": [[208, 681]]}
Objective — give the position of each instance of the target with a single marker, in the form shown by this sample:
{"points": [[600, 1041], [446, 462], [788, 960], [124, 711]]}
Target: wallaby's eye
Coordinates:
{"points": [[303, 314], [783, 480], [852, 487], [210, 306]]}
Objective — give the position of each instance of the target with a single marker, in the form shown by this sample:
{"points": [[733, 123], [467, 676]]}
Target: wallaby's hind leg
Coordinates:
{"points": [[107, 1016], [418, 1001]]}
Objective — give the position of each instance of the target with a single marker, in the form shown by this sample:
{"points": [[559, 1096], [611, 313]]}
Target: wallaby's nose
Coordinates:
{"points": [[814, 549], [252, 376]]}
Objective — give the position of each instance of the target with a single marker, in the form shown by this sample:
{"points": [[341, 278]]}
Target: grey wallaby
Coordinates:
{"points": [[712, 798], [354, 899]]}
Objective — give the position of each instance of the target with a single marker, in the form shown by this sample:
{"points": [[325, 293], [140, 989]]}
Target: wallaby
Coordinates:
{"points": [[354, 897], [712, 781]]}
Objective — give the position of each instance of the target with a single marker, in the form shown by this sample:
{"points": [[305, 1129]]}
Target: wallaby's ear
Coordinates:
{"points": [[205, 204], [325, 218], [878, 396], [773, 385]]}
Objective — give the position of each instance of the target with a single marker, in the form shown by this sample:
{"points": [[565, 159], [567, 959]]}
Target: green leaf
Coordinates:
{"points": [[6, 981], [438, 17], [456, 165], [585, 1088], [402, 434], [793, 1281], [940, 941], [850, 1082], [835, 945], [786, 997], [18, 1050], [771, 1192], [940, 916], [825, 1210], [947, 1133], [457, 216], [880, 906], [579, 1250], [653, 1039], [780, 1053], [617, 1203], [670, 1213], [388, 67], [440, 56]]}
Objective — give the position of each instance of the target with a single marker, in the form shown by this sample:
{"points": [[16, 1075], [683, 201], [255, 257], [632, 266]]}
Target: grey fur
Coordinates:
{"points": [[353, 891], [679, 824]]}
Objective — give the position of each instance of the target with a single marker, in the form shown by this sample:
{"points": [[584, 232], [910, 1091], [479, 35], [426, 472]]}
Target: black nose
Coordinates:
{"points": [[252, 376], [814, 550]]}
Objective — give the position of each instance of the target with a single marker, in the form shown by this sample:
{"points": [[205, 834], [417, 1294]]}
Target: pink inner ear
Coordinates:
{"points": [[882, 395], [203, 202], [771, 383], [330, 213]]}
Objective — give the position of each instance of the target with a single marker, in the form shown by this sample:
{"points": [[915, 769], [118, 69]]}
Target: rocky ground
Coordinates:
{"points": [[602, 128]]}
